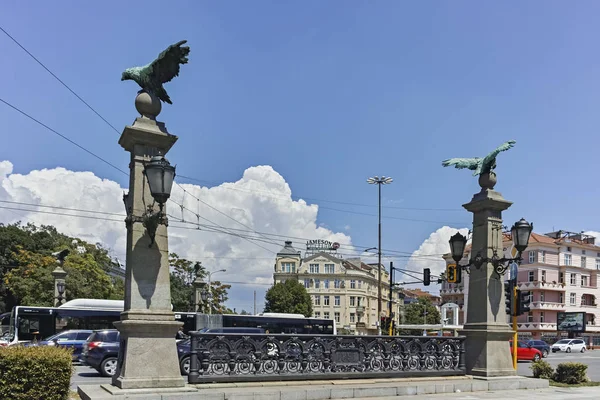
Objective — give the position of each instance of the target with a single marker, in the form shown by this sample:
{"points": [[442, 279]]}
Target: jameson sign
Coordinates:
{"points": [[320, 244]]}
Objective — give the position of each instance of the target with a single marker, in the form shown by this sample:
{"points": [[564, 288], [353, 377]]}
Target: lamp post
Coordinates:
{"points": [[60, 276], [208, 294], [379, 181]]}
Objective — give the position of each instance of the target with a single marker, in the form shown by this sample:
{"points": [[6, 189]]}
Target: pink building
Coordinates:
{"points": [[560, 270]]}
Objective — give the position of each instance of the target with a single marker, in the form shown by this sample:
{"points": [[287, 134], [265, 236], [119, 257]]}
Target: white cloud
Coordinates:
{"points": [[429, 255], [260, 200], [347, 227]]}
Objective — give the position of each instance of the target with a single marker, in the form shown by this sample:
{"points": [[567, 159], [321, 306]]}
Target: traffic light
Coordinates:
{"points": [[509, 300], [426, 277], [453, 273], [383, 324], [523, 302]]}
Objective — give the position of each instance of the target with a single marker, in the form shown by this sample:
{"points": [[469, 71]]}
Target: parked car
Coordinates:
{"points": [[101, 351], [541, 346], [184, 346], [526, 352], [569, 345]]}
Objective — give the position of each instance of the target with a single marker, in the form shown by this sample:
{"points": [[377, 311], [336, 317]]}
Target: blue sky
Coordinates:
{"points": [[328, 93]]}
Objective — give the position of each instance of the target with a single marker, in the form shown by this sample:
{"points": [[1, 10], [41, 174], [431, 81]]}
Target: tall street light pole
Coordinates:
{"points": [[210, 288], [379, 181]]}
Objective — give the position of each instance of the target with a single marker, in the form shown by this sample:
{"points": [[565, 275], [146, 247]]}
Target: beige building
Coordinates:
{"points": [[344, 290]]}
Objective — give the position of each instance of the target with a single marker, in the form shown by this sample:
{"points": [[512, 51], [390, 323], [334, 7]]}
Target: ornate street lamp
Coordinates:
{"points": [[60, 286], [520, 232], [160, 175]]}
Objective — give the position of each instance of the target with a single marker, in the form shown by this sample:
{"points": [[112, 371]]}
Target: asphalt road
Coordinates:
{"points": [[85, 375], [590, 357]]}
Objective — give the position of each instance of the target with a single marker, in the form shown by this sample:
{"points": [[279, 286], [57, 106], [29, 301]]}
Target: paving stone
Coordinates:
{"points": [[504, 384], [342, 393], [318, 393], [406, 390], [445, 388], [428, 388], [479, 385], [374, 391], [297, 394], [463, 386], [270, 395]]}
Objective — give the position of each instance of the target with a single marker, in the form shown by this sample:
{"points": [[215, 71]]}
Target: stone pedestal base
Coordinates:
{"points": [[148, 355], [487, 350]]}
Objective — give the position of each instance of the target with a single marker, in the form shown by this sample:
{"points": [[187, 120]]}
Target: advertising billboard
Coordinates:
{"points": [[570, 321]]}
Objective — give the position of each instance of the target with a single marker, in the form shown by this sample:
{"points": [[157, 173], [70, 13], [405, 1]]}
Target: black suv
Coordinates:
{"points": [[101, 350]]}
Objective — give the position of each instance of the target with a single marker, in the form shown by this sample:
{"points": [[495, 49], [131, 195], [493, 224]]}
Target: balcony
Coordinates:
{"points": [[536, 326], [546, 305], [537, 285]]}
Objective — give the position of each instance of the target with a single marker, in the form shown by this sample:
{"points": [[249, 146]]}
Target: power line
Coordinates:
{"points": [[58, 79]]}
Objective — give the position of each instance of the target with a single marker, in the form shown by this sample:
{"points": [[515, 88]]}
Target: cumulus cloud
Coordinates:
{"points": [[429, 255], [260, 201]]}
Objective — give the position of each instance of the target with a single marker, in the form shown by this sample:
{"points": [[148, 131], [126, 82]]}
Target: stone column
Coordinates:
{"points": [[59, 275], [199, 286], [487, 331], [148, 354]]}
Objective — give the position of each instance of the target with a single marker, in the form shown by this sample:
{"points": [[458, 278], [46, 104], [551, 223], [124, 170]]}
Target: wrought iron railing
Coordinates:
{"points": [[257, 357]]}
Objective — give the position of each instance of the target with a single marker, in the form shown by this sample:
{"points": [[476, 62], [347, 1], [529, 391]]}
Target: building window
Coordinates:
{"points": [[598, 263], [561, 298], [314, 268], [317, 300], [583, 262], [531, 257], [336, 301], [326, 315], [530, 317], [306, 283], [352, 301], [317, 314], [336, 316], [584, 300], [352, 317], [584, 280], [326, 283], [531, 276], [326, 300], [542, 317], [352, 284], [288, 267], [582, 251], [542, 296], [573, 279], [317, 283], [543, 256], [337, 283], [329, 268], [543, 276], [573, 299], [567, 259], [561, 277], [360, 284]]}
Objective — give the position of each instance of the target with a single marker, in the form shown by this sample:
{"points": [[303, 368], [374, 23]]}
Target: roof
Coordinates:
{"points": [[321, 254], [419, 293], [288, 250]]}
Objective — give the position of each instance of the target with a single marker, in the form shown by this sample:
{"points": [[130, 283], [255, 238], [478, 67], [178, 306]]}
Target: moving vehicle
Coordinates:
{"points": [[34, 323], [569, 345], [526, 352], [71, 339], [541, 346], [101, 351], [274, 323]]}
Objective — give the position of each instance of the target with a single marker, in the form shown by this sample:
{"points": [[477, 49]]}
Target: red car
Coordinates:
{"points": [[526, 353]]}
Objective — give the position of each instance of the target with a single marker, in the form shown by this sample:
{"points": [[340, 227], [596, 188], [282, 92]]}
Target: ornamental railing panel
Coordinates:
{"points": [[258, 357]]}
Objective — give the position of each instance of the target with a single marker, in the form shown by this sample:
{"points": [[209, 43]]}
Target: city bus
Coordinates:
{"points": [[275, 323], [36, 323]]}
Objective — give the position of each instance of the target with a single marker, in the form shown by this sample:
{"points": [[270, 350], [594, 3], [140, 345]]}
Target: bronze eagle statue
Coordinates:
{"points": [[479, 166], [166, 67]]}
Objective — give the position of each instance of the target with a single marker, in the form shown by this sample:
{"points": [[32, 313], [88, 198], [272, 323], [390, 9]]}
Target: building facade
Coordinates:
{"points": [[560, 270], [344, 290]]}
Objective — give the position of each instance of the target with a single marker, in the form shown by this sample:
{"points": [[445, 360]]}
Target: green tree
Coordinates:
{"points": [[421, 312], [288, 297]]}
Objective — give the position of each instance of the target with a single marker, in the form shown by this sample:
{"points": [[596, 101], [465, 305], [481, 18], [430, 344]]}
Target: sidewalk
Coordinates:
{"points": [[552, 393]]}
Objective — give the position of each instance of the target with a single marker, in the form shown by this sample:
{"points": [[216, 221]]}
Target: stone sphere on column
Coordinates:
{"points": [[488, 180], [147, 104]]}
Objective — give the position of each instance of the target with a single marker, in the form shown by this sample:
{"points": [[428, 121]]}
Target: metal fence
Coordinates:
{"points": [[258, 357]]}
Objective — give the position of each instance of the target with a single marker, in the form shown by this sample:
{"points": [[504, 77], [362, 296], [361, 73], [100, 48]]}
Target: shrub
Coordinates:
{"points": [[35, 373], [542, 369], [571, 373]]}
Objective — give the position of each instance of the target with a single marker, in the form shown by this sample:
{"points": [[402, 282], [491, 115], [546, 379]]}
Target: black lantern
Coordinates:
{"points": [[160, 174], [458, 243], [204, 295], [520, 232], [60, 286]]}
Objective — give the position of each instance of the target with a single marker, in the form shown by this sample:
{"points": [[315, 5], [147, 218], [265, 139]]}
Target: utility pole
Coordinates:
{"points": [[255, 302], [391, 313]]}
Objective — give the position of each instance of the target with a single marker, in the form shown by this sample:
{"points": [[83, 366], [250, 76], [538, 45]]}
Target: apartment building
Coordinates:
{"points": [[341, 289], [560, 269]]}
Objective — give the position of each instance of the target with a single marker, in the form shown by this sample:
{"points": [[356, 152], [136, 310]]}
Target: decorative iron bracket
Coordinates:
{"points": [[500, 264], [150, 219]]}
